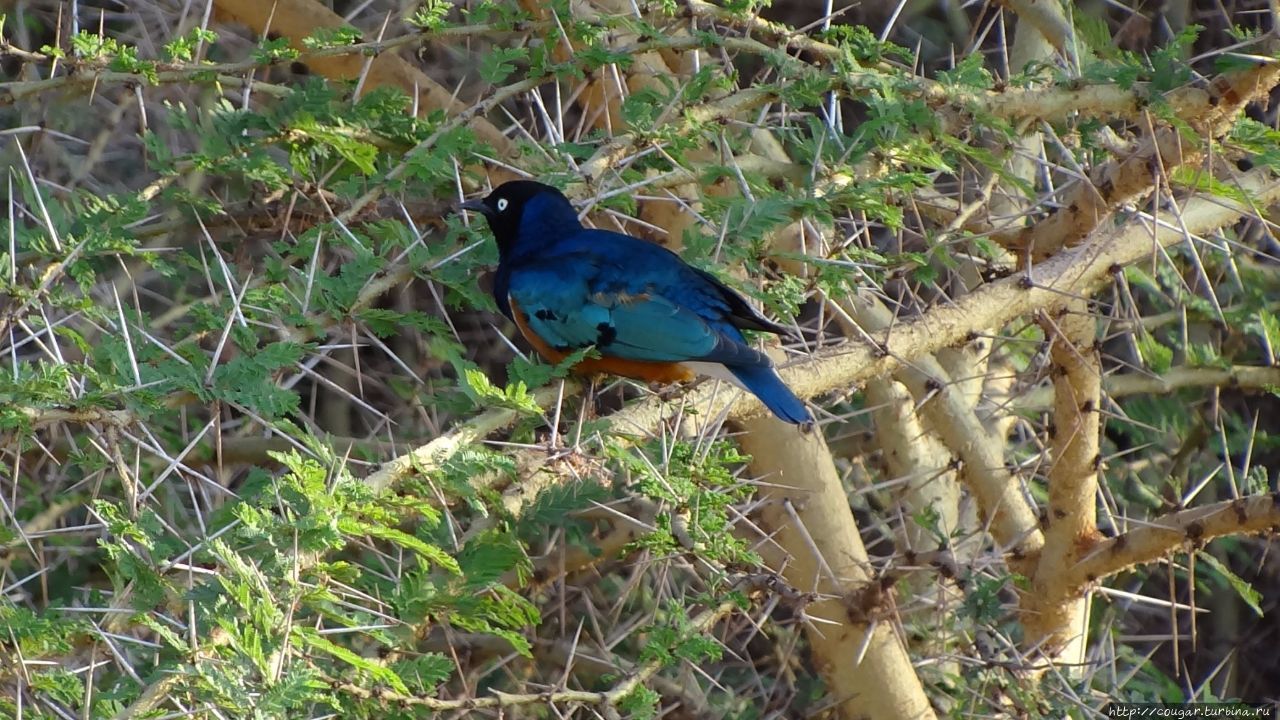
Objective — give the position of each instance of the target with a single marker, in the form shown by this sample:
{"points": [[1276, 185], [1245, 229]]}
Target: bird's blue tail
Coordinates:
{"points": [[764, 383]]}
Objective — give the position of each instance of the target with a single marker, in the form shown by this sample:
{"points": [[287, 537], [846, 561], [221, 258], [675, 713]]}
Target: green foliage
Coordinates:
{"points": [[553, 510], [677, 640], [274, 50], [249, 380], [1158, 357], [265, 599], [1267, 327], [861, 47], [430, 14], [968, 73], [35, 635], [183, 48], [498, 65], [1247, 593], [1092, 30], [982, 601], [1260, 141], [1169, 68], [1165, 69], [515, 396], [696, 487], [641, 703], [331, 37]]}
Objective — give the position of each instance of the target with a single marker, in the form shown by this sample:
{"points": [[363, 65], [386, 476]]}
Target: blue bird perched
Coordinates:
{"points": [[650, 315]]}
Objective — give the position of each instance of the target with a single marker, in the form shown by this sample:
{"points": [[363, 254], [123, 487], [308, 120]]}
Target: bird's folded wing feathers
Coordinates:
{"points": [[579, 300]]}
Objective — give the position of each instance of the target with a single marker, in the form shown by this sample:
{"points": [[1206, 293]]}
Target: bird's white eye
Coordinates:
{"points": [[502, 204]]}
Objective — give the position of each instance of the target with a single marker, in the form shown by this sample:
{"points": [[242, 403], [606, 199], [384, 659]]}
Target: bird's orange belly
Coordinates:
{"points": [[654, 372]]}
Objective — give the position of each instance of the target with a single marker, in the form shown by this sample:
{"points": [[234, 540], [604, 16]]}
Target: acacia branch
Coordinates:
{"points": [[1004, 505], [957, 105], [431, 457], [1055, 617], [1118, 182], [1049, 20], [819, 547], [1236, 377], [912, 451], [815, 544], [1174, 532]]}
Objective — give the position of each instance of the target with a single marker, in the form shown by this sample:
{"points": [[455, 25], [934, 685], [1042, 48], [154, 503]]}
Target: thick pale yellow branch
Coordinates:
{"points": [[1054, 615], [815, 543], [1174, 532]]}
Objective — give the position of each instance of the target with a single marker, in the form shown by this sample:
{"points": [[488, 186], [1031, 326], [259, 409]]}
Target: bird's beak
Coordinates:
{"points": [[476, 205]]}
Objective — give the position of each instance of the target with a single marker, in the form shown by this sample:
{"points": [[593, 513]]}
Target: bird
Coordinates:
{"points": [[649, 315]]}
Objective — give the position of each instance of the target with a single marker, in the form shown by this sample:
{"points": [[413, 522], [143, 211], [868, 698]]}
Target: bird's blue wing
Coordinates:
{"points": [[577, 299]]}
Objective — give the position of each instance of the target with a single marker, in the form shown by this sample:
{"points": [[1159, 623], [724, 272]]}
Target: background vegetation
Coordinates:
{"points": [[267, 449]]}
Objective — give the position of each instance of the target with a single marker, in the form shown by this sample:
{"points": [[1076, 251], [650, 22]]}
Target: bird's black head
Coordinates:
{"points": [[524, 215]]}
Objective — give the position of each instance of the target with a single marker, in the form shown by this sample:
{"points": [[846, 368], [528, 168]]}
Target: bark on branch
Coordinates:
{"points": [[1174, 532], [816, 545], [1055, 617], [1238, 377]]}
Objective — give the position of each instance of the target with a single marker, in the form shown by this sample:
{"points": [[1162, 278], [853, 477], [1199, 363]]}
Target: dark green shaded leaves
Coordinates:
{"points": [[249, 380], [498, 63], [312, 640]]}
